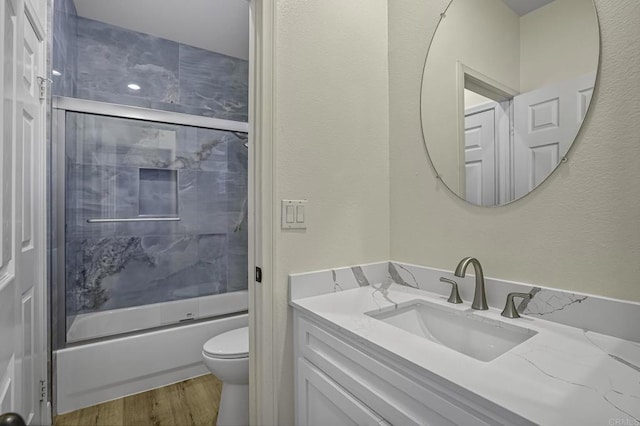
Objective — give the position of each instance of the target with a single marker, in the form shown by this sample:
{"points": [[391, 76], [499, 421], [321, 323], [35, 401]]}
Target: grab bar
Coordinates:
{"points": [[135, 219]]}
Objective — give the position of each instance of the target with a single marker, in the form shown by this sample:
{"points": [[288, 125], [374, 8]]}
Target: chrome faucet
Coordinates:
{"points": [[479, 297]]}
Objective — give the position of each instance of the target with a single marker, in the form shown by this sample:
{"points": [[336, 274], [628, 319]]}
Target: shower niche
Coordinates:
{"points": [[158, 193]]}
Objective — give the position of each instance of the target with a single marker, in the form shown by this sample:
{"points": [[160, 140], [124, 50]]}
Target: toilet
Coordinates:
{"points": [[227, 357]]}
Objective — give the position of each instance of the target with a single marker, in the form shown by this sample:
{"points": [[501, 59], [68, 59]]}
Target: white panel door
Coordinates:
{"points": [[38, 12], [8, 282], [23, 366], [546, 122], [324, 402], [480, 155]]}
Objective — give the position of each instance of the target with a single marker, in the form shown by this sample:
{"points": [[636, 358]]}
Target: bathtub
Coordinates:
{"points": [[119, 321], [96, 372]]}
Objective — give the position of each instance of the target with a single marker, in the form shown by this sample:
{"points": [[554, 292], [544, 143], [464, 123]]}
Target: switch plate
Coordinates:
{"points": [[294, 214]]}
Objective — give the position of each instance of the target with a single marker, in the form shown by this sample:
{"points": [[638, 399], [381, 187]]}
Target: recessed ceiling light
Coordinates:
{"points": [[133, 86], [56, 73]]}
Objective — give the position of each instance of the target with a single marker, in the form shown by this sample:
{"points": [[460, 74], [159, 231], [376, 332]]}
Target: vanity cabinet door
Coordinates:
{"points": [[321, 401]]}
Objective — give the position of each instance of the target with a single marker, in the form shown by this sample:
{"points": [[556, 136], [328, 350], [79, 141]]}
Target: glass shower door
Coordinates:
{"points": [[155, 224]]}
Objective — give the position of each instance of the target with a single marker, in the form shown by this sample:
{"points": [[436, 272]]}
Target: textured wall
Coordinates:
{"points": [[331, 147], [558, 42], [580, 230]]}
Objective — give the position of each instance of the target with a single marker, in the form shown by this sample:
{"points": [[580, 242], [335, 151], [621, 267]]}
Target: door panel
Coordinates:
{"points": [[473, 184], [6, 120], [30, 262], [8, 287], [28, 379], [480, 156], [6, 147], [546, 122], [22, 213], [544, 116], [37, 12], [7, 388], [28, 127], [543, 160]]}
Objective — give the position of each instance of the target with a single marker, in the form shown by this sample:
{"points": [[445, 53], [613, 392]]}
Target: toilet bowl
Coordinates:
{"points": [[227, 357]]}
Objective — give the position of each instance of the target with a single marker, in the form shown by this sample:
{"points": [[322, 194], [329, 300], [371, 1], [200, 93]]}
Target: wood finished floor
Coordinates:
{"points": [[190, 403]]}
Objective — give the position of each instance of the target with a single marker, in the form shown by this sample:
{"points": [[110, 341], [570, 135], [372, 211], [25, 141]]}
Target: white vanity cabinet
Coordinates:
{"points": [[340, 381], [322, 401]]}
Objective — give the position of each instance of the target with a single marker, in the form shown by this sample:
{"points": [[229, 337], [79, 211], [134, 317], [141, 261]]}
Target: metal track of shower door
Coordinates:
{"points": [[146, 114]]}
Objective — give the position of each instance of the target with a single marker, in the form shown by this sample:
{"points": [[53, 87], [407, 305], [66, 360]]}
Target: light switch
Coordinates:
{"points": [[289, 214], [300, 214], [294, 214]]}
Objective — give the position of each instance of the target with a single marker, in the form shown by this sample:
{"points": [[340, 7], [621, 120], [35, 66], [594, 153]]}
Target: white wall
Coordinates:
{"points": [[581, 229], [472, 99], [557, 42], [372, 194], [471, 33], [331, 146]]}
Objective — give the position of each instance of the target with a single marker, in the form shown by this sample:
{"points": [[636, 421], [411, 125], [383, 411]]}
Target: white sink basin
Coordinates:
{"points": [[481, 338]]}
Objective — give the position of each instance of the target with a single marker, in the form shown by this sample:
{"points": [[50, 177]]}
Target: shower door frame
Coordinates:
{"points": [[60, 107]]}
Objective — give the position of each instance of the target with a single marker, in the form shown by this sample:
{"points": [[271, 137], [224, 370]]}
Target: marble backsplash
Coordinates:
{"points": [[612, 317], [121, 168]]}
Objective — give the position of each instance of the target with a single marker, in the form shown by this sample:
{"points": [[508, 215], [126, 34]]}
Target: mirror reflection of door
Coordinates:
{"points": [[505, 162], [489, 182], [480, 154], [546, 121]]}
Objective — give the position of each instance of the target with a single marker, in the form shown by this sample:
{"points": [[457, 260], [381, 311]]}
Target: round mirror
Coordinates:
{"points": [[505, 89]]}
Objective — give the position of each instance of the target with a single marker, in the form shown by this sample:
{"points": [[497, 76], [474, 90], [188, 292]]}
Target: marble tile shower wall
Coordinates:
{"points": [[65, 49], [119, 168], [172, 76]]}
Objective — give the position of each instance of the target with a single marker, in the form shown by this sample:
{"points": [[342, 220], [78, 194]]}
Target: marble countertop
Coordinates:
{"points": [[562, 375]]}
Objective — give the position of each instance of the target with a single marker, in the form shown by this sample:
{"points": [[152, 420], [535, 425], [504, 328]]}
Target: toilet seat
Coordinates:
{"points": [[232, 344]]}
